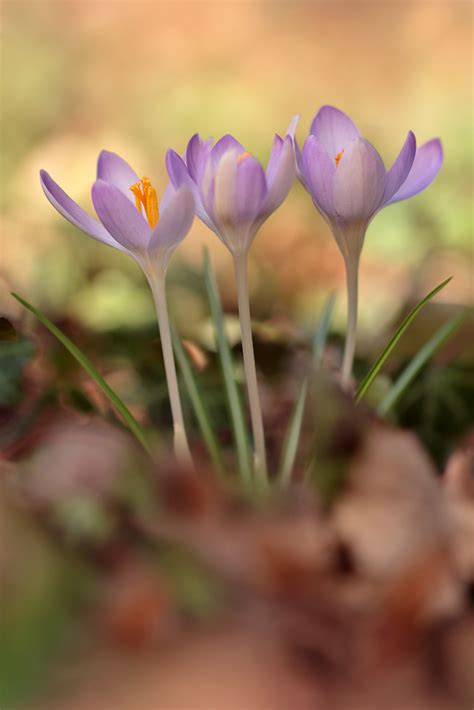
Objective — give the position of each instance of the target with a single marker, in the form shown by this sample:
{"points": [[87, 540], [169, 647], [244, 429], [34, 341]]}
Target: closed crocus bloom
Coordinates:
{"points": [[234, 196], [132, 220], [348, 183]]}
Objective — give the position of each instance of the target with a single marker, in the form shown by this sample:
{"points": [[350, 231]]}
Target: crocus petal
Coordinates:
{"points": [[166, 197], [116, 171], [251, 189], [197, 152], [177, 169], [274, 157], [222, 146], [318, 170], [281, 175], [174, 223], [124, 222], [426, 166], [291, 130], [299, 163], [73, 213], [359, 182], [225, 189], [400, 169], [333, 129], [179, 175]]}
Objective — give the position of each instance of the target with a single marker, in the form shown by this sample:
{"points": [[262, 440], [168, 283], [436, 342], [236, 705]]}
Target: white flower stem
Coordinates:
{"points": [[352, 280], [181, 447], [260, 459]]}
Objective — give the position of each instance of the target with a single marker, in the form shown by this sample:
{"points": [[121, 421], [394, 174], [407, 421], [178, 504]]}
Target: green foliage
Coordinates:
{"points": [[91, 370], [384, 355], [290, 445], [234, 399], [198, 403], [405, 379]]}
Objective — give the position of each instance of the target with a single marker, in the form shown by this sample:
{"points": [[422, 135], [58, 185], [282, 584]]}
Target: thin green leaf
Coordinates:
{"points": [[232, 392], [290, 445], [419, 361], [120, 406], [292, 438], [321, 333], [378, 364], [198, 403]]}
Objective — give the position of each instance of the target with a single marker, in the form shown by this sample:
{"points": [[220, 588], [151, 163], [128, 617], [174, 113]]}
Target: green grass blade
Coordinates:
{"points": [[290, 445], [419, 361], [292, 438], [86, 364], [321, 333], [198, 403], [378, 364], [232, 392]]}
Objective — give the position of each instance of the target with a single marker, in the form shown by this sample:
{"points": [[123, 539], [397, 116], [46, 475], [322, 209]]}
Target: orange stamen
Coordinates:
{"points": [[243, 156], [338, 157], [146, 197]]}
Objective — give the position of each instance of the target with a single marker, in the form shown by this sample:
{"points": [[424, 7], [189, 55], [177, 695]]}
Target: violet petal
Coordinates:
{"points": [[318, 171], [124, 222], [71, 211], [426, 166], [222, 146], [334, 129], [250, 191], [281, 176], [197, 152], [400, 169], [274, 157], [179, 175], [359, 182], [175, 221], [225, 190], [116, 171]]}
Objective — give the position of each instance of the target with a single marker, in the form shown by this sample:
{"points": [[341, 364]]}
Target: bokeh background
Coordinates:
{"points": [[139, 77]]}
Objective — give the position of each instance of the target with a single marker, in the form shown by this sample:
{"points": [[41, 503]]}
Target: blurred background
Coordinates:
{"points": [[138, 77]]}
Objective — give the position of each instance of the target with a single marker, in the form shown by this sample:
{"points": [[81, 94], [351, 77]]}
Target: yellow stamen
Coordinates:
{"points": [[243, 156], [338, 157], [146, 197]]}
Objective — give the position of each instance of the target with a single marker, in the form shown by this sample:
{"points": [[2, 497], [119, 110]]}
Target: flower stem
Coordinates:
{"points": [[352, 280], [181, 447], [260, 459]]}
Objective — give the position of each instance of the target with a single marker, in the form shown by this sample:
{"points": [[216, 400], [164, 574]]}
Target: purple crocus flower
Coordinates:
{"points": [[348, 183], [132, 220], [234, 195]]}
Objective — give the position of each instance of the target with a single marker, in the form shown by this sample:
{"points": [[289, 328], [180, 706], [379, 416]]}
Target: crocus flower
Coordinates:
{"points": [[234, 196], [132, 220], [348, 183]]}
